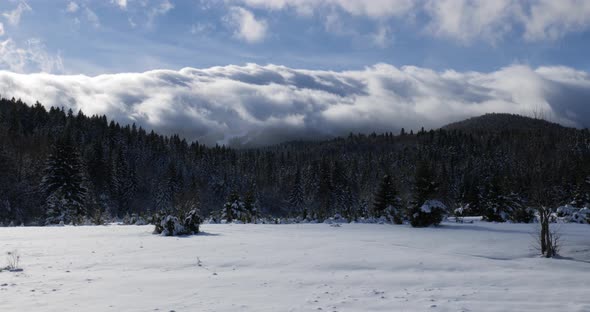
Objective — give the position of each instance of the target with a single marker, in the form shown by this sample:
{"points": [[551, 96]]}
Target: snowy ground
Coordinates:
{"points": [[313, 267]]}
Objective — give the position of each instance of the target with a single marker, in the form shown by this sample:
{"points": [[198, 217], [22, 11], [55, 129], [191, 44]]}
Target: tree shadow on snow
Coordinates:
{"points": [[472, 227], [194, 235], [207, 234], [571, 259]]}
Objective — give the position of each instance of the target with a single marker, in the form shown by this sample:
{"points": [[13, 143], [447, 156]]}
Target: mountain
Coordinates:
{"points": [[498, 122]]}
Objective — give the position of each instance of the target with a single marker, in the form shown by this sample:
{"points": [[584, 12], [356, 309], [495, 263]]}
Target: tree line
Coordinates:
{"points": [[60, 166]]}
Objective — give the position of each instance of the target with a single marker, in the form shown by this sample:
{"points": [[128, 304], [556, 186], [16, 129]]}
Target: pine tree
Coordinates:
{"points": [[250, 210], [297, 197], [189, 211], [340, 191], [387, 203], [518, 211], [425, 211], [64, 183], [324, 193], [425, 186], [233, 208], [494, 204]]}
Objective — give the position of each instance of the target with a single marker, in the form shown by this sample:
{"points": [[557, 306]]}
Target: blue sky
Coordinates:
{"points": [[93, 37], [265, 71]]}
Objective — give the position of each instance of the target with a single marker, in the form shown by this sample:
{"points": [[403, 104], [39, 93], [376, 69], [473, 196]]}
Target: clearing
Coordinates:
{"points": [[301, 267]]}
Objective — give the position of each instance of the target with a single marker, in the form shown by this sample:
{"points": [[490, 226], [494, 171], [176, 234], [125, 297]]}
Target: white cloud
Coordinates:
{"points": [[164, 7], [246, 26], [269, 104], [121, 3], [92, 18], [13, 17], [201, 28], [466, 20], [72, 7], [549, 19], [1, 29], [462, 20], [30, 58], [382, 37], [373, 8]]}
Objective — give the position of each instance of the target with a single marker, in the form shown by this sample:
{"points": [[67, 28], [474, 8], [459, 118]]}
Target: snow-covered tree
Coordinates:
{"points": [[64, 183], [494, 205], [250, 213], [233, 208], [297, 196], [425, 211], [185, 220], [430, 213], [387, 202]]}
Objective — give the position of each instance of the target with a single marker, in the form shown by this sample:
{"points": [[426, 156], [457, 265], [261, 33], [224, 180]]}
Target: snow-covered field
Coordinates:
{"points": [[311, 267]]}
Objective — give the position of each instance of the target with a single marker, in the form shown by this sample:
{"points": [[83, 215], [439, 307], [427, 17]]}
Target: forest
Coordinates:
{"points": [[59, 166]]}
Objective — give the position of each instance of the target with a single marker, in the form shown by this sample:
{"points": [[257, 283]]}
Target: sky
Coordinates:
{"points": [[266, 71]]}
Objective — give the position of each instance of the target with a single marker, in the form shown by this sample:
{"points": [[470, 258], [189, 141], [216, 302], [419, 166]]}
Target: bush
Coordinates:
{"points": [[430, 213], [157, 222], [522, 215], [13, 259], [569, 213], [192, 222], [171, 225]]}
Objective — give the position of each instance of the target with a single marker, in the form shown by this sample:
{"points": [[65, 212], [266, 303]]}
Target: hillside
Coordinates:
{"points": [[118, 170], [503, 122]]}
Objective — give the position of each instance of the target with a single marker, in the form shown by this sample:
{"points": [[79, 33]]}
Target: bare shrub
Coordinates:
{"points": [[13, 259], [547, 235]]}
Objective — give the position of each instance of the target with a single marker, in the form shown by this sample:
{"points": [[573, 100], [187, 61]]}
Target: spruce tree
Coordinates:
{"points": [[387, 203], [494, 204], [64, 184], [296, 196], [425, 211], [250, 210], [232, 209], [324, 194]]}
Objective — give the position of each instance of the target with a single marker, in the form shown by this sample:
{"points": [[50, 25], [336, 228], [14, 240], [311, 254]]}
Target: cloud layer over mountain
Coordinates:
{"points": [[270, 104]]}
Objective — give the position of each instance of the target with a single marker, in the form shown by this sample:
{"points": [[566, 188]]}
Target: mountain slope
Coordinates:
{"points": [[501, 122]]}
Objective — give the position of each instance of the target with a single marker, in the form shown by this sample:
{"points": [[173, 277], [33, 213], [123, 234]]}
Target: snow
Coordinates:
{"points": [[306, 267], [429, 205], [569, 213]]}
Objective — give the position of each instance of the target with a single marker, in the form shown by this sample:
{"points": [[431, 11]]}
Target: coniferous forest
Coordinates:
{"points": [[63, 166]]}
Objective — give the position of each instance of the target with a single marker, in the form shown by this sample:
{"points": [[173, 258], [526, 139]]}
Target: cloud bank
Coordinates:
{"points": [[270, 104], [461, 20]]}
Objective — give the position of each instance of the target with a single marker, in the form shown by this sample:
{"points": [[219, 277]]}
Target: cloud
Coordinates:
{"points": [[72, 7], [1, 29], [466, 20], [121, 3], [30, 58], [164, 7], [382, 37], [270, 104], [92, 18], [461, 20], [373, 9], [246, 26], [554, 19], [13, 17], [201, 28]]}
